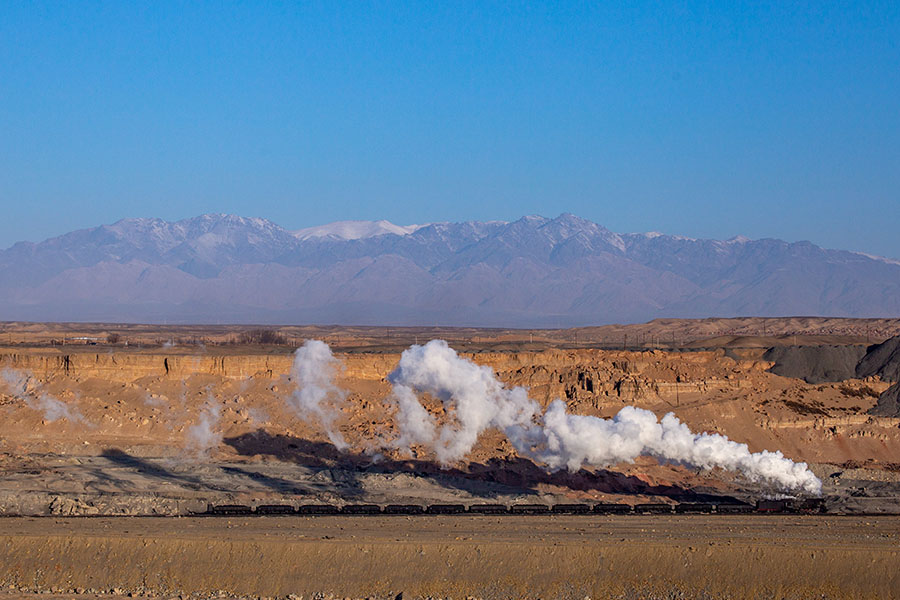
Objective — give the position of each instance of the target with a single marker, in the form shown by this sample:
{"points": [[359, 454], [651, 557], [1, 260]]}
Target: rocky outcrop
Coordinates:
{"points": [[882, 360], [815, 364], [888, 403]]}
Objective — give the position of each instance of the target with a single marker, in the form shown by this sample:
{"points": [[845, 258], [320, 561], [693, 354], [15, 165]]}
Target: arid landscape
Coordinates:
{"points": [[449, 301], [106, 420]]}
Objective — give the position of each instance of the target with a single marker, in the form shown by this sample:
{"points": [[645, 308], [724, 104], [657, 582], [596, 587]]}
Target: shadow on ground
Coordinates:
{"points": [[493, 478], [153, 470]]}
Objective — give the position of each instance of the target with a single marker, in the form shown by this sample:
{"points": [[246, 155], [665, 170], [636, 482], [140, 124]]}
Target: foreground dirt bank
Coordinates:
{"points": [[570, 557]]}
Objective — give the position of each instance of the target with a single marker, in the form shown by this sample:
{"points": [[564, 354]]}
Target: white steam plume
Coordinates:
{"points": [[469, 392], [316, 395], [473, 396], [53, 409], [204, 435]]}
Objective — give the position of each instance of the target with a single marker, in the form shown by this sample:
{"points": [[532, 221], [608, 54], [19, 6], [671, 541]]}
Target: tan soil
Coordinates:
{"points": [[552, 557]]}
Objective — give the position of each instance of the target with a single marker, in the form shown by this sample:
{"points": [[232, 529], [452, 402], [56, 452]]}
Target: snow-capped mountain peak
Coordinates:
{"points": [[355, 230]]}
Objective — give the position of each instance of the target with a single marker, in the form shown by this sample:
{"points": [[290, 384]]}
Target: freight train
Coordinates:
{"points": [[787, 506]]}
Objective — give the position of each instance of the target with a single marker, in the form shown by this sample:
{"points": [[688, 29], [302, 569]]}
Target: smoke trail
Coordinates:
{"points": [[258, 415], [470, 393], [16, 381], [153, 400], [316, 395], [53, 409], [205, 435], [574, 440], [476, 400]]}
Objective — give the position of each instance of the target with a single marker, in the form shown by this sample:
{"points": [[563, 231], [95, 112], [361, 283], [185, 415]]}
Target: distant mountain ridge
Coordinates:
{"points": [[532, 272]]}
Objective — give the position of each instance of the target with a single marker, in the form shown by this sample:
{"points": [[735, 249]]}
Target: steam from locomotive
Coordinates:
{"points": [[476, 400], [317, 397]]}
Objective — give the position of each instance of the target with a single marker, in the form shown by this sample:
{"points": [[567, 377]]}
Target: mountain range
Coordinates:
{"points": [[533, 272]]}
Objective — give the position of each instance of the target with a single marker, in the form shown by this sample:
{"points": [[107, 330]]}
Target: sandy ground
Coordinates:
{"points": [[486, 557]]}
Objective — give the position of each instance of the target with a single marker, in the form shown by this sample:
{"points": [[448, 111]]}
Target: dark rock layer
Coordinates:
{"points": [[815, 364], [881, 359]]}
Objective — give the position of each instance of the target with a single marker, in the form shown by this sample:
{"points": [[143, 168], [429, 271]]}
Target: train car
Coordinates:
{"points": [[230, 509], [693, 508], [529, 509], [445, 509], [403, 509], [318, 509], [488, 509], [361, 509], [571, 509], [607, 508], [807, 505], [734, 509], [772, 506], [275, 509], [653, 508]]}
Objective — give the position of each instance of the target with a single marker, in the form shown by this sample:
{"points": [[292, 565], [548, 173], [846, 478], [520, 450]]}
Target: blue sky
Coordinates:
{"points": [[703, 119]]}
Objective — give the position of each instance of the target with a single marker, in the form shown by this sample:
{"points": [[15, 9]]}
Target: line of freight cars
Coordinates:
{"points": [[684, 508]]}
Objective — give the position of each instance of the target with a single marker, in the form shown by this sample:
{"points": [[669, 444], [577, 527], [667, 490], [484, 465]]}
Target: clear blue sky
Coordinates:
{"points": [[710, 119]]}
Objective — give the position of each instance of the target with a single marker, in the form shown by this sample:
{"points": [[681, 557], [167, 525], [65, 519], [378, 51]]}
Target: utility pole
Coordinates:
{"points": [[677, 398]]}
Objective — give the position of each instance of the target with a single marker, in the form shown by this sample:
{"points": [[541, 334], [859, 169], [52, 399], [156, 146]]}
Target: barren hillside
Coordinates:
{"points": [[168, 430]]}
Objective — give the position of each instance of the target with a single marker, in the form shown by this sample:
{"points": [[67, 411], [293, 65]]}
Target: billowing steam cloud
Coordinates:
{"points": [[316, 396], [205, 434], [471, 392], [474, 397], [22, 387]]}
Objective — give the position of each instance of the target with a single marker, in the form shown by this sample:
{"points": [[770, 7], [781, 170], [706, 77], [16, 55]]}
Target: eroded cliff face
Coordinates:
{"points": [[127, 367], [597, 378], [573, 374], [153, 399]]}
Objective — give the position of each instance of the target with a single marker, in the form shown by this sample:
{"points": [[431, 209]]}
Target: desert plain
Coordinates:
{"points": [[115, 438]]}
